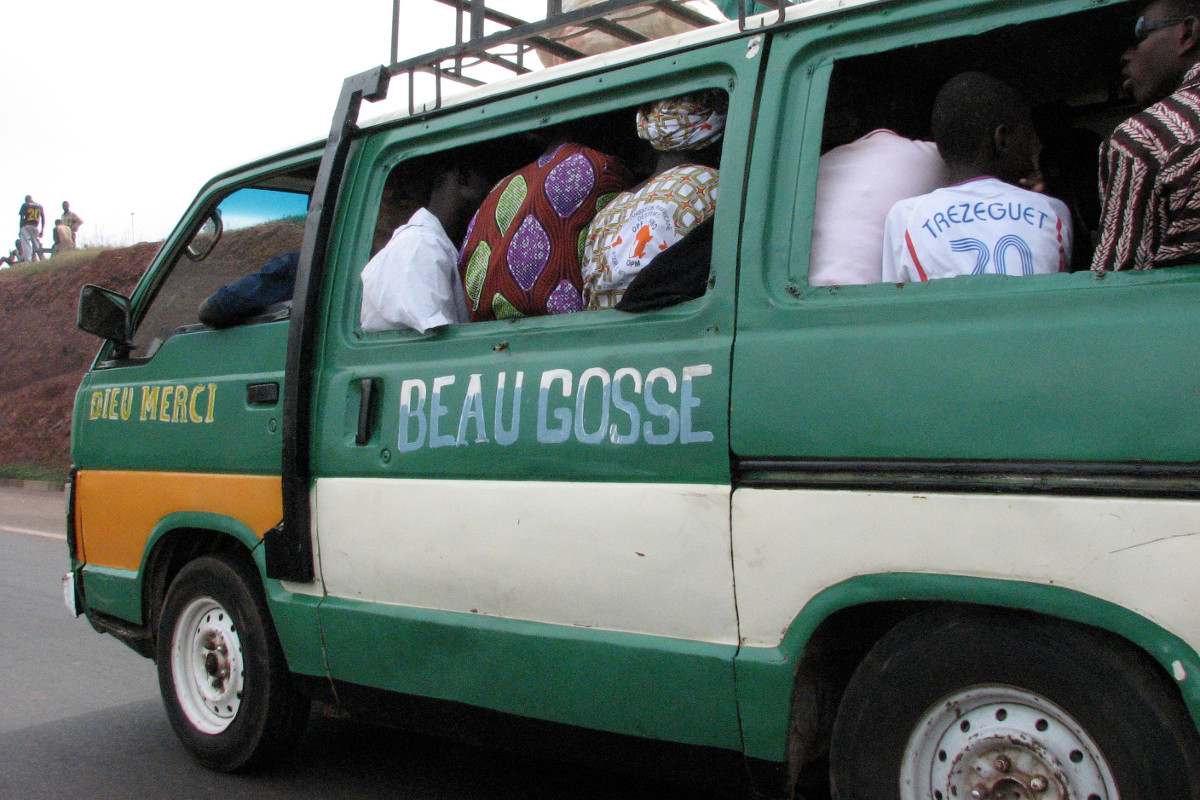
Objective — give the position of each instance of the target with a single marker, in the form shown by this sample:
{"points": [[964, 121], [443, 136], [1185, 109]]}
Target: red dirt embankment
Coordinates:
{"points": [[44, 355]]}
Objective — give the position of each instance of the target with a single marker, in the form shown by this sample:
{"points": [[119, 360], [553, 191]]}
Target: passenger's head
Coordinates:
{"points": [[1166, 44], [66, 206], [456, 192], [983, 127], [28, 198], [690, 122], [394, 211]]}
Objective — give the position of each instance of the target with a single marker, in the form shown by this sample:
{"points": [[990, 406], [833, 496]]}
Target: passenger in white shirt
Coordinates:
{"points": [[985, 222], [413, 281]]}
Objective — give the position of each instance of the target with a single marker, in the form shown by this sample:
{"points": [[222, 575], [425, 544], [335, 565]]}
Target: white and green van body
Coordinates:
{"points": [[757, 525]]}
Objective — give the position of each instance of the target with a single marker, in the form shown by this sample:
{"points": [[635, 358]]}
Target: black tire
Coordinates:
{"points": [[221, 670], [931, 677]]}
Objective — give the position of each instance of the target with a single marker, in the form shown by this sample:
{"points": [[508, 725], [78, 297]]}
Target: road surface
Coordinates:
{"points": [[80, 715]]}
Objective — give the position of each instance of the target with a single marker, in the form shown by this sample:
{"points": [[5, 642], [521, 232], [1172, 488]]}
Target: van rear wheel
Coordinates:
{"points": [[221, 670], [958, 705]]}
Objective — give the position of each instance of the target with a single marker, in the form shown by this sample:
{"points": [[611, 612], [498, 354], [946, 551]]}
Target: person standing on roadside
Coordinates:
{"points": [[72, 221], [1150, 166], [33, 225], [64, 240]]}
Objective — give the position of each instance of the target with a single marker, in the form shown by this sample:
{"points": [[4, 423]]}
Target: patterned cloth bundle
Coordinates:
{"points": [[521, 254], [680, 123]]}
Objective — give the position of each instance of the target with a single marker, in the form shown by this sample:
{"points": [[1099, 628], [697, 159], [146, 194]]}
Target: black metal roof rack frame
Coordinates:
{"points": [[289, 545], [524, 37]]}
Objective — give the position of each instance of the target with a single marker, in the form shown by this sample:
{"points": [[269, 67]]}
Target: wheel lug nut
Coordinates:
{"points": [[1038, 783], [1002, 764], [980, 792]]}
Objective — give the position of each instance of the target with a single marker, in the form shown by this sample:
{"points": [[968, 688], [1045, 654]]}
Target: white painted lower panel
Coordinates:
{"points": [[789, 545], [639, 558]]}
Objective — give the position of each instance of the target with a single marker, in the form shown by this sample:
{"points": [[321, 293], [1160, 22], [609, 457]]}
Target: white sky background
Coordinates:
{"points": [[132, 105]]}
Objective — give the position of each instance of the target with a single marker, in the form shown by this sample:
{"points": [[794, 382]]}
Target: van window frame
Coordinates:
{"points": [[173, 249], [495, 119], [863, 33]]}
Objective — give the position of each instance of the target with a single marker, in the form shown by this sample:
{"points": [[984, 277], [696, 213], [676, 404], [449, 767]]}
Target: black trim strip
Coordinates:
{"points": [[712, 769], [288, 546], [72, 549], [135, 637], [1135, 479]]}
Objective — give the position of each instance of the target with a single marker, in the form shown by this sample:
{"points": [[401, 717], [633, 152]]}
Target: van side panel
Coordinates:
{"points": [[668, 689], [1061, 368], [766, 676], [174, 435], [1076, 374], [790, 545], [643, 558], [1067, 367], [536, 520], [178, 442], [187, 409], [120, 509], [121, 515]]}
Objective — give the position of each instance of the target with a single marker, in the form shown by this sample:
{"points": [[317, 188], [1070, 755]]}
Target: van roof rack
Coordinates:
{"points": [[510, 47]]}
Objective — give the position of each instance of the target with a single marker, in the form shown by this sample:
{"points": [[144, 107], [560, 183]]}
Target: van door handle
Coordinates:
{"points": [[366, 409], [262, 394]]}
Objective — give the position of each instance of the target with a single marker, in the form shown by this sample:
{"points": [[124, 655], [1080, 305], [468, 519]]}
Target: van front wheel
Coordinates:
{"points": [[221, 671], [958, 705]]}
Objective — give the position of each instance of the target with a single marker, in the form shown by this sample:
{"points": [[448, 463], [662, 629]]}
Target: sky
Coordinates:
{"points": [[126, 108]]}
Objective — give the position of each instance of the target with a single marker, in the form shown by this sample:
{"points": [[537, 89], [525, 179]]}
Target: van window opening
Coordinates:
{"points": [[1066, 69], [573, 215], [248, 229]]}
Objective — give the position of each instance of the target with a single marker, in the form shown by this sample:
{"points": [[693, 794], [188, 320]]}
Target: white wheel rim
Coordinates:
{"points": [[1000, 741], [206, 665]]}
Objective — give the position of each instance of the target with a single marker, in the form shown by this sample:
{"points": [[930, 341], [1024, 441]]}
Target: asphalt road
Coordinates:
{"points": [[80, 715]]}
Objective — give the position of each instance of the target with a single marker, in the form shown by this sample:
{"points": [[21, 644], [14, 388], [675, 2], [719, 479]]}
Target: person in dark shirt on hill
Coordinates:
{"points": [[33, 225]]}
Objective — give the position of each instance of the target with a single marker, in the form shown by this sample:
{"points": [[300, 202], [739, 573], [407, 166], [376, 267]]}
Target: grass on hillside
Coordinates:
{"points": [[66, 259], [34, 472]]}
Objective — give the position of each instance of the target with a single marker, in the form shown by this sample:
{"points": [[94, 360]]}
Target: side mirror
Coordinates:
{"points": [[104, 313], [206, 238]]}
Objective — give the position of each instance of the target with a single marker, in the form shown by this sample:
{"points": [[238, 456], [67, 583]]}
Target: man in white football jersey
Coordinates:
{"points": [[984, 222]]}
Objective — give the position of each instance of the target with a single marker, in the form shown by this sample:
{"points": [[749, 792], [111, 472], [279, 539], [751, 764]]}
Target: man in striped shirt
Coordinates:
{"points": [[1150, 166]]}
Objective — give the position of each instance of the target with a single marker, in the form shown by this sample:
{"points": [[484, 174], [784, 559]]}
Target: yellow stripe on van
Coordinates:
{"points": [[117, 510]]}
